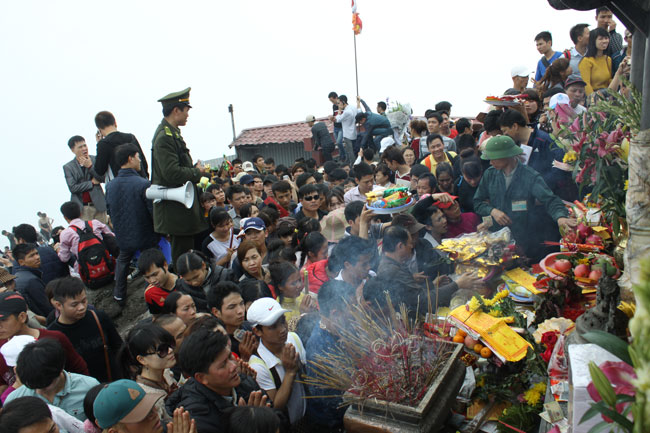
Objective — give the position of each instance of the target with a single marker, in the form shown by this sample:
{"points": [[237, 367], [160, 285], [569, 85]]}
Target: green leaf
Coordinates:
{"points": [[619, 419], [624, 398], [610, 343], [602, 384], [600, 427], [594, 410]]}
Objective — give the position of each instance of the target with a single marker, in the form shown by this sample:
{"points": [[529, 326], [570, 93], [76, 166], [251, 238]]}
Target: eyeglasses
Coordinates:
{"points": [[312, 197], [163, 350]]}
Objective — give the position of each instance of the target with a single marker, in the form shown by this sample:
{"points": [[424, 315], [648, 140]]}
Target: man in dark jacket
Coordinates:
{"points": [[321, 137], [172, 167], [28, 279], [108, 139], [51, 266], [213, 385], [131, 213]]}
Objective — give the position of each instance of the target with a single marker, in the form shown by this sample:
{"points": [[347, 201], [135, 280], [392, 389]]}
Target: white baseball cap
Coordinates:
{"points": [[557, 99], [519, 71], [12, 348], [248, 166], [310, 118], [265, 312]]}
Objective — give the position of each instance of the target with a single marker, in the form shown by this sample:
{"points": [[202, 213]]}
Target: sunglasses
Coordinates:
{"points": [[163, 350], [312, 197]]}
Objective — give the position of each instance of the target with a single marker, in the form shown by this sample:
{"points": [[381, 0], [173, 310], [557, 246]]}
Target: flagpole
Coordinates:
{"points": [[356, 71]]}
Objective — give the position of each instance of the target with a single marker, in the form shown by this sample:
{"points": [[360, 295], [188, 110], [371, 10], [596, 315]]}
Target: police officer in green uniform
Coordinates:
{"points": [[171, 167]]}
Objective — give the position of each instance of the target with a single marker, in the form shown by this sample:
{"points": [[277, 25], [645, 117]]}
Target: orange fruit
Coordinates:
{"points": [[478, 347], [461, 333], [458, 339], [486, 352]]}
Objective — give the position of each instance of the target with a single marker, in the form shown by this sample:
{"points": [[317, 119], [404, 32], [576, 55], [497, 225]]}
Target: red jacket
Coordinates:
{"points": [[283, 211], [317, 275]]}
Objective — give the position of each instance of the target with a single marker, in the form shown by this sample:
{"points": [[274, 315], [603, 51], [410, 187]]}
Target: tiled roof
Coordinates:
{"points": [[283, 133]]}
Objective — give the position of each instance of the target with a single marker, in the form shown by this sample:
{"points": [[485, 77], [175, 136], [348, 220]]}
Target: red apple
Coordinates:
{"points": [[562, 265], [581, 271], [595, 274]]}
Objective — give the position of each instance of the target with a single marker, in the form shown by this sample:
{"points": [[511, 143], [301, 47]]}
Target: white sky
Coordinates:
{"points": [[275, 61]]}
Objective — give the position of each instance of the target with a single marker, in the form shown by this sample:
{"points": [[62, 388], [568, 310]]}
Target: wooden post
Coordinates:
{"points": [[638, 59], [645, 108]]}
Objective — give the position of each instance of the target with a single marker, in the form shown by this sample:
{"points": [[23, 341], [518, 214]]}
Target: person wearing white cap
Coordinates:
{"points": [[10, 351], [278, 357], [520, 77]]}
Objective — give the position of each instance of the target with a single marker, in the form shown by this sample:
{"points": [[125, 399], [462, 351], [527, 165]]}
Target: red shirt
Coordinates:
{"points": [[283, 211], [73, 362], [467, 224]]}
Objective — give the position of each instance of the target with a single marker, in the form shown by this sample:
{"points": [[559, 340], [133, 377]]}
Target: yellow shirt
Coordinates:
{"points": [[293, 305], [431, 163], [596, 72]]}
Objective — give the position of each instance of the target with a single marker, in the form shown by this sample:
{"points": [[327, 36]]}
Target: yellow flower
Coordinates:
{"points": [[584, 261], [474, 304], [627, 183], [494, 313], [501, 295], [540, 387], [532, 397], [570, 156]]}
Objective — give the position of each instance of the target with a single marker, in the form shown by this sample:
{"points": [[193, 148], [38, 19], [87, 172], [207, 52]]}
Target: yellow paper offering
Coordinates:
{"points": [[497, 335], [523, 278]]}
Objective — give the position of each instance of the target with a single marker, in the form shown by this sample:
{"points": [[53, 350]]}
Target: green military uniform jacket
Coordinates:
{"points": [[172, 167], [518, 202]]}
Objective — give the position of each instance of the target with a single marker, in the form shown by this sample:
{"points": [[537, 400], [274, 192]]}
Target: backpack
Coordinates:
{"points": [[96, 266]]}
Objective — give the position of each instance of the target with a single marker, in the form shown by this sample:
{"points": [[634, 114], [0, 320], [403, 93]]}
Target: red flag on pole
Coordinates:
{"points": [[357, 25]]}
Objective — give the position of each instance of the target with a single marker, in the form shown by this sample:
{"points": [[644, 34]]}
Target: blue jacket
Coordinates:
{"points": [[30, 285], [131, 211]]}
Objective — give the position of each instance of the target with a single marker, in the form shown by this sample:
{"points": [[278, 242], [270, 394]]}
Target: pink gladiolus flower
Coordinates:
{"points": [[620, 375], [575, 126], [564, 113]]}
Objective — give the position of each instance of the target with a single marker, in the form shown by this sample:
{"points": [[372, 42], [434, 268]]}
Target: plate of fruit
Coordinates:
{"points": [[389, 201], [586, 268]]}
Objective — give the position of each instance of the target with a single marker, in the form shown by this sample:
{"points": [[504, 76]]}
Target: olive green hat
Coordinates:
{"points": [[500, 147], [176, 98]]}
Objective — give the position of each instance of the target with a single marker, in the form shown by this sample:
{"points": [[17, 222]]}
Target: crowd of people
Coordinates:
{"points": [[255, 277]]}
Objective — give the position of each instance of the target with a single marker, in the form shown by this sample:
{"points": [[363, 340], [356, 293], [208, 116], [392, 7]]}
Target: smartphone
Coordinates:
{"points": [[285, 177], [239, 334]]}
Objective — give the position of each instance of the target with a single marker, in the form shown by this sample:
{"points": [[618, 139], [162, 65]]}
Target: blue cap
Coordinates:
{"points": [[123, 401], [252, 223], [246, 179]]}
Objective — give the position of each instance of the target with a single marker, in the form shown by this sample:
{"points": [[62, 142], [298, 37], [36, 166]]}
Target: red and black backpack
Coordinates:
{"points": [[96, 265]]}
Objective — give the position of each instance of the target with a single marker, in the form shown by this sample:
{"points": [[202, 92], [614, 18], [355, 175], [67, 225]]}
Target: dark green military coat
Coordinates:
{"points": [[172, 167]]}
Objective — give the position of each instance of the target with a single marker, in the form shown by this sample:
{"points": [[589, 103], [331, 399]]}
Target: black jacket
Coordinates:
{"points": [[199, 294], [106, 153], [31, 286], [204, 405]]}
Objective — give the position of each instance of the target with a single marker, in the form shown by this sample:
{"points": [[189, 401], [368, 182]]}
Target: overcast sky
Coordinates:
{"points": [[275, 61]]}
